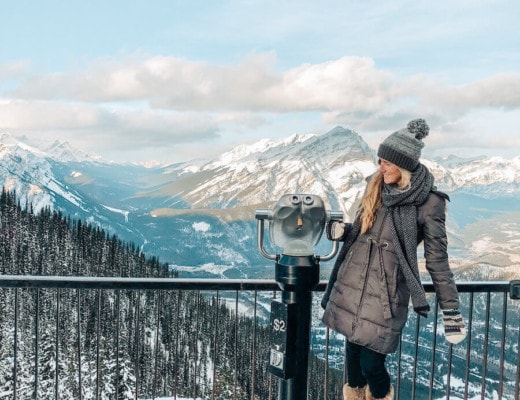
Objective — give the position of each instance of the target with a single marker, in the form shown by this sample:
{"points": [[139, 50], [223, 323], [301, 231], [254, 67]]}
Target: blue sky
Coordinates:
{"points": [[177, 80]]}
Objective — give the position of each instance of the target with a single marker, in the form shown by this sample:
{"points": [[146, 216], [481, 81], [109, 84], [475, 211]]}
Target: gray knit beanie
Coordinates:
{"points": [[403, 148]]}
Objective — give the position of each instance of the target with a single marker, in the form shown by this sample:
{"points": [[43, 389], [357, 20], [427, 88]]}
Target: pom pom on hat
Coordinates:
{"points": [[419, 128], [403, 148]]}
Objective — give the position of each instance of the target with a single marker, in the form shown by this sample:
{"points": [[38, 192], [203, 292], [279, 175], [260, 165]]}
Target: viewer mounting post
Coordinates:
{"points": [[296, 224]]}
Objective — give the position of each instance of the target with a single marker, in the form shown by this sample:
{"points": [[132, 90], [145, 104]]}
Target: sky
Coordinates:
{"points": [[172, 81]]}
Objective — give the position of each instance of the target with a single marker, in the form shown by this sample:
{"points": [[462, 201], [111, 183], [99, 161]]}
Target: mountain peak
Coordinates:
{"points": [[7, 139], [12, 142], [64, 152], [260, 148], [339, 130]]}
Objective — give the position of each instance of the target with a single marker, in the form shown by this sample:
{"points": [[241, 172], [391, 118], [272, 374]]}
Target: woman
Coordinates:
{"points": [[376, 272]]}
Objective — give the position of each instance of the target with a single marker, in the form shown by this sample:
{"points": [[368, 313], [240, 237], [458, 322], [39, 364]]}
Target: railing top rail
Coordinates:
{"points": [[83, 282]]}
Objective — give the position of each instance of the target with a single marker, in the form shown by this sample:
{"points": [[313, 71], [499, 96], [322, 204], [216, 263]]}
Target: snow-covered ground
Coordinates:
{"points": [[178, 398]]}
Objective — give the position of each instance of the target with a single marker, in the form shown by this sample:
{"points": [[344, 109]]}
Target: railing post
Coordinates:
{"points": [[290, 324], [15, 350]]}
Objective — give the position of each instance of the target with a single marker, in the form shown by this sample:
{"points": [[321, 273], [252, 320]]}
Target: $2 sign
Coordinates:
{"points": [[279, 325]]}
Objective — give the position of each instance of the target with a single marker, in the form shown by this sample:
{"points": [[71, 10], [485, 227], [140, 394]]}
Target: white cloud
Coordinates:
{"points": [[355, 84], [155, 102], [48, 115], [253, 85], [13, 69], [501, 90]]}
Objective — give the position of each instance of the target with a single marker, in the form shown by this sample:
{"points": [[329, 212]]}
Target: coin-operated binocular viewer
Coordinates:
{"points": [[296, 224]]}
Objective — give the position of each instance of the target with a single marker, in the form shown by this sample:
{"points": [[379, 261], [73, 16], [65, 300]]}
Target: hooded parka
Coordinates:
{"points": [[369, 299]]}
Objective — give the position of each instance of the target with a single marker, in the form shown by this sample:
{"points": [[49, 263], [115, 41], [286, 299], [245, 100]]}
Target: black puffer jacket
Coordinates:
{"points": [[369, 300]]}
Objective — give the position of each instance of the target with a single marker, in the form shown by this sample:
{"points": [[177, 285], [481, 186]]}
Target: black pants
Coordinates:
{"points": [[365, 366]]}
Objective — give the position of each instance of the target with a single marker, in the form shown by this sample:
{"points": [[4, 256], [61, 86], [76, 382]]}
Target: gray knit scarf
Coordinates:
{"points": [[402, 207]]}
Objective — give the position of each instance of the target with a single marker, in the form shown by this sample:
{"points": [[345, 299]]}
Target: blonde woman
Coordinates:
{"points": [[376, 272]]}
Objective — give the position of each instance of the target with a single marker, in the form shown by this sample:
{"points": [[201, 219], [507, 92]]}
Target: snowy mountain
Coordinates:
{"points": [[202, 215], [490, 178], [332, 166]]}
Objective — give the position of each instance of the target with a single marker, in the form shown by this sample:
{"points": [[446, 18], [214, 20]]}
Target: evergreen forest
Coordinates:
{"points": [[121, 344]]}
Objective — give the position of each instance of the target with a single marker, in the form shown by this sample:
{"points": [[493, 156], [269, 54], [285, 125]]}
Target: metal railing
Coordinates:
{"points": [[47, 351]]}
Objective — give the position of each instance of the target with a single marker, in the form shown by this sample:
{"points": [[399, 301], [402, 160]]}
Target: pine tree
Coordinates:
{"points": [[165, 343]]}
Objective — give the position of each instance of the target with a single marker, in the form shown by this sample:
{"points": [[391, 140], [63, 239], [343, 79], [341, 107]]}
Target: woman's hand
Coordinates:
{"points": [[337, 230]]}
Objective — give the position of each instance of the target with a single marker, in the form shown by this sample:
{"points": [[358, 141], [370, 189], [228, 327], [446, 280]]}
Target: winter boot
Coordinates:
{"points": [[389, 395], [350, 393]]}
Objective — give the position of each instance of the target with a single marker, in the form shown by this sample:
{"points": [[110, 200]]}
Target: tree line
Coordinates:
{"points": [[121, 344]]}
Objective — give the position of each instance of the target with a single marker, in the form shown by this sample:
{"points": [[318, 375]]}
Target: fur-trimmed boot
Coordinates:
{"points": [[350, 393], [389, 395]]}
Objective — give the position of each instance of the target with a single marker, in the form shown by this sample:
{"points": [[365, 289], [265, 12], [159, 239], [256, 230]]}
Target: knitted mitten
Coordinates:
{"points": [[337, 230], [454, 328]]}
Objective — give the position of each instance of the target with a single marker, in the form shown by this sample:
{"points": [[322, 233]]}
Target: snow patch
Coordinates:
{"points": [[211, 268], [201, 226], [116, 210]]}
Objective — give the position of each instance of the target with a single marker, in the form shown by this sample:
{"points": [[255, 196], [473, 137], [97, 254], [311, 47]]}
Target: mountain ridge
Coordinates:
{"points": [[159, 208]]}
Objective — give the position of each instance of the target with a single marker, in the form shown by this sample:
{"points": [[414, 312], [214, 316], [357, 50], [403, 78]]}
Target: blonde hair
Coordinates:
{"points": [[371, 201]]}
